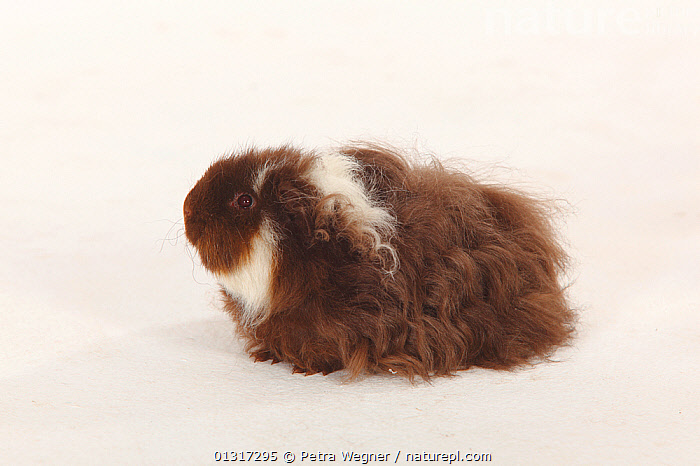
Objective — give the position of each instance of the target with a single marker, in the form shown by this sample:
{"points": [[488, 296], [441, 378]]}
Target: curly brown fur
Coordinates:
{"points": [[364, 261]]}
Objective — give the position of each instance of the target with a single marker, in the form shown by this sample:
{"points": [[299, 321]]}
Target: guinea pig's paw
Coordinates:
{"points": [[264, 355], [310, 371], [299, 370], [324, 368]]}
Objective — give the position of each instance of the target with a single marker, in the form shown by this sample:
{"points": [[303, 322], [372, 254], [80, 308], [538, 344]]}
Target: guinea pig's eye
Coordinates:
{"points": [[243, 201]]}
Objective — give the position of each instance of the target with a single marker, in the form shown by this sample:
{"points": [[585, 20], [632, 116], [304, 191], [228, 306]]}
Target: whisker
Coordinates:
{"points": [[195, 264], [169, 238]]}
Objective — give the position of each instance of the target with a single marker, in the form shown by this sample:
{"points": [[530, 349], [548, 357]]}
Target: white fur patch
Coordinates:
{"points": [[251, 282], [340, 174], [262, 175]]}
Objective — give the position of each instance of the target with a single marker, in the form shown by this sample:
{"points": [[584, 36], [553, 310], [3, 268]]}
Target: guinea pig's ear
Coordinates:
{"points": [[295, 202]]}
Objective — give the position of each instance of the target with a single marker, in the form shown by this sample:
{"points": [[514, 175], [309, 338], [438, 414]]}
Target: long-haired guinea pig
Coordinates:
{"points": [[360, 259]]}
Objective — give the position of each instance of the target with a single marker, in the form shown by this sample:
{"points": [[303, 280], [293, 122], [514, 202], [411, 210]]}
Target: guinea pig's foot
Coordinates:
{"points": [[322, 368], [307, 372], [298, 370], [264, 355]]}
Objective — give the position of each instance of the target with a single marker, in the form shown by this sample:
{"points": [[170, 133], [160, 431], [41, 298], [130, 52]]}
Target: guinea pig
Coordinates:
{"points": [[360, 258]]}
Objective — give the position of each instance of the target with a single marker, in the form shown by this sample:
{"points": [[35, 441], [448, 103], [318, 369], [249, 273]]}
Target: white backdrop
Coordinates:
{"points": [[112, 345]]}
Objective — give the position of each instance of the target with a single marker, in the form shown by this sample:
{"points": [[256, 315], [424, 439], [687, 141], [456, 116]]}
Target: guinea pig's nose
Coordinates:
{"points": [[186, 209]]}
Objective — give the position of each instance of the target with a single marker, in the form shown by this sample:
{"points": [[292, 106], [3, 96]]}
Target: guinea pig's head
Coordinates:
{"points": [[236, 214], [235, 210], [223, 212]]}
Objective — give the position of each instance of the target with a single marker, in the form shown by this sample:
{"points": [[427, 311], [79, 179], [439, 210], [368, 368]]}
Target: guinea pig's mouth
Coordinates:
{"points": [[193, 228], [194, 225], [193, 233]]}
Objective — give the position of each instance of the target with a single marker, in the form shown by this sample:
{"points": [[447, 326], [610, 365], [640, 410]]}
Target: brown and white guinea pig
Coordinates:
{"points": [[359, 259]]}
